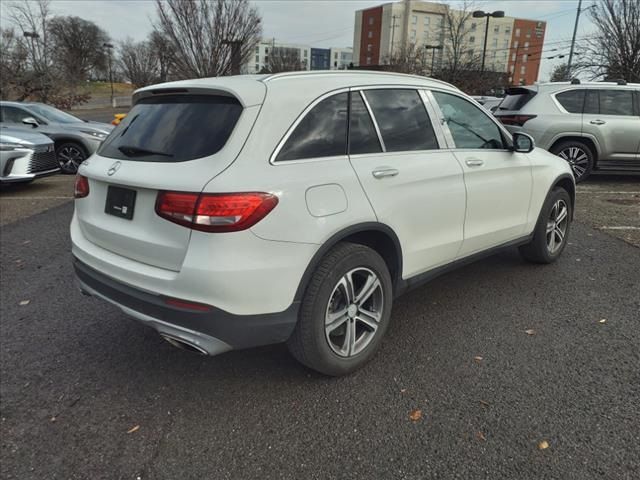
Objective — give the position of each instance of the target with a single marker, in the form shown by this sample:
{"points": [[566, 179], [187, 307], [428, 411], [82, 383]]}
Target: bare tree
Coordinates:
{"points": [[77, 48], [139, 62], [163, 53], [283, 59], [614, 51], [16, 79], [202, 34], [409, 58], [560, 73]]}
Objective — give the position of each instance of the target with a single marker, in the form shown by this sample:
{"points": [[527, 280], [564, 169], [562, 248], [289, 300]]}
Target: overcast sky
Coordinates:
{"points": [[323, 23]]}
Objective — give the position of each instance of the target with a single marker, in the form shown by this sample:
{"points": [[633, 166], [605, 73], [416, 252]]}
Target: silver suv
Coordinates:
{"points": [[594, 126]]}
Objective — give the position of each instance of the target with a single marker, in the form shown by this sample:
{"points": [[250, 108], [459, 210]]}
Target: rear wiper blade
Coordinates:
{"points": [[131, 151]]}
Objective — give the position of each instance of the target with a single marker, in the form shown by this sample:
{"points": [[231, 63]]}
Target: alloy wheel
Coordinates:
{"points": [[354, 312], [557, 226], [70, 158], [577, 158]]}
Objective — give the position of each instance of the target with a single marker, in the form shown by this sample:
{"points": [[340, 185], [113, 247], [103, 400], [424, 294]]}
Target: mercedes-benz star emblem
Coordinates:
{"points": [[114, 168]]}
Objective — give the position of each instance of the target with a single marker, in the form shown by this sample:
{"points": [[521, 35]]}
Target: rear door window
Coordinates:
{"points": [[402, 119], [362, 133], [13, 114], [321, 133], [173, 128], [516, 98], [616, 102], [571, 100], [470, 127], [592, 102]]}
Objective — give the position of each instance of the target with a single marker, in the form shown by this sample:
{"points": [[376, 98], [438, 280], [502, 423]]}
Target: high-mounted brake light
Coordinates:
{"points": [[215, 212], [518, 120], [81, 187]]}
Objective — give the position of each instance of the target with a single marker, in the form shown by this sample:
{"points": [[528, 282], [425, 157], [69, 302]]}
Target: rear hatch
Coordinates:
{"points": [[171, 140], [510, 111]]}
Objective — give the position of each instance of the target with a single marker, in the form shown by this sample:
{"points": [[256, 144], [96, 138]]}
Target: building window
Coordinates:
{"points": [[257, 67], [528, 34], [507, 30], [513, 57], [495, 42], [496, 29], [472, 39], [413, 34], [257, 49], [517, 32], [523, 69], [473, 27], [370, 20], [505, 44], [257, 58], [426, 21], [370, 34], [306, 53], [369, 47], [526, 45], [515, 44], [335, 55], [525, 57], [511, 68], [368, 60], [414, 19]]}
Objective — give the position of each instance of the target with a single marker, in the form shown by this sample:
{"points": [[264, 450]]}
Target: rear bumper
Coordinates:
{"points": [[213, 332]]}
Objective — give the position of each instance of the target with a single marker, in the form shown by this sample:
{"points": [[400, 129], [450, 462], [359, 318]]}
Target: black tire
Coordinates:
{"points": [[70, 155], [579, 155], [539, 249], [310, 342]]}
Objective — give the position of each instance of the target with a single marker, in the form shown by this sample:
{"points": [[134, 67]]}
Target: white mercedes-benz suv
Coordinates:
{"points": [[242, 211]]}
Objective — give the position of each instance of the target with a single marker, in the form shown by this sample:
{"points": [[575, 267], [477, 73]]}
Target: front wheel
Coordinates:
{"points": [[552, 230], [345, 311], [70, 155]]}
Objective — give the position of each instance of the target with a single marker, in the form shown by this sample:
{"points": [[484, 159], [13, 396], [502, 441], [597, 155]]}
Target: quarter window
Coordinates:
{"points": [[321, 133], [469, 126], [616, 102], [362, 133], [572, 100], [402, 120], [13, 114]]}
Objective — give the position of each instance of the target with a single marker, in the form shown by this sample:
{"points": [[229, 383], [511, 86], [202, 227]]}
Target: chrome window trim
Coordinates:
{"points": [[373, 119], [289, 132], [445, 127], [433, 118]]}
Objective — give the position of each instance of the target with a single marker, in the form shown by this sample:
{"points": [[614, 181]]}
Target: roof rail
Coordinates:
{"points": [[621, 81], [309, 73], [575, 81]]}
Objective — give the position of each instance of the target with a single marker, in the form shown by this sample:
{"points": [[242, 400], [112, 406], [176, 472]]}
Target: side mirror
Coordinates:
{"points": [[30, 121], [523, 142]]}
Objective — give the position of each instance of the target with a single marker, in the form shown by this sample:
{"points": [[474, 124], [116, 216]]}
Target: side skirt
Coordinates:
{"points": [[405, 285]]}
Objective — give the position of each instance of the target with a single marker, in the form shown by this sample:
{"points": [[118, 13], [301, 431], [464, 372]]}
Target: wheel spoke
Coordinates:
{"points": [[559, 234], [346, 284], [335, 320], [551, 242], [370, 319], [349, 338], [550, 226], [562, 215], [371, 285]]}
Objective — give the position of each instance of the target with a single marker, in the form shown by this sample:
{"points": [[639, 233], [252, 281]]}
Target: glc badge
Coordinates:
{"points": [[114, 168]]}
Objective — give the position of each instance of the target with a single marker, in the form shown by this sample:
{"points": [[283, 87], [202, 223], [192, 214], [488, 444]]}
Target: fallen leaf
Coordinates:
{"points": [[133, 429], [486, 404], [531, 331], [604, 320], [415, 415], [481, 436], [403, 390], [543, 445], [577, 259], [53, 419], [24, 302], [26, 242], [478, 359]]}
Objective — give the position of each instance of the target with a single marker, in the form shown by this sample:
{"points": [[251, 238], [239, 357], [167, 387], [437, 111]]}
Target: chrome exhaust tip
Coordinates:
{"points": [[183, 344]]}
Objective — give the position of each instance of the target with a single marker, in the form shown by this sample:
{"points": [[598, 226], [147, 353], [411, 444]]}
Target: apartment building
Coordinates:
{"points": [[513, 45], [310, 58]]}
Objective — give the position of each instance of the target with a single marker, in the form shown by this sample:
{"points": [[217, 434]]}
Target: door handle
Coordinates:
{"points": [[474, 162], [597, 122], [382, 172]]}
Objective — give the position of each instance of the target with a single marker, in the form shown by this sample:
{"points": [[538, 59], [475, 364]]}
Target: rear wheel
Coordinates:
{"points": [[579, 155], [70, 155], [552, 229], [345, 311]]}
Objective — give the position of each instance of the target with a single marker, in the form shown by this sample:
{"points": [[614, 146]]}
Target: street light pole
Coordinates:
{"points": [[481, 14], [433, 49], [573, 40], [109, 48]]}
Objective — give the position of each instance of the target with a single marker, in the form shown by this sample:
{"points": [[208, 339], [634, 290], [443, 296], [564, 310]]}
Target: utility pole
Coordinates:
{"points": [[573, 40], [109, 48], [393, 32]]}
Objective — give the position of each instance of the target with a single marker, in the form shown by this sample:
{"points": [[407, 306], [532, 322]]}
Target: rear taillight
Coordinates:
{"points": [[518, 120], [215, 212], [81, 188]]}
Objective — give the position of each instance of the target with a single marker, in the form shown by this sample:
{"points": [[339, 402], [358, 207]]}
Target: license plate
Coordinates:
{"points": [[120, 202]]}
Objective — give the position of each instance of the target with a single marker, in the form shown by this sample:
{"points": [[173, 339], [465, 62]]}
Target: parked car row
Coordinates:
{"points": [[74, 139]]}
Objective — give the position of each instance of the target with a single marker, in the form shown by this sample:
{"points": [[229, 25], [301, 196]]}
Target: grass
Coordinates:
{"points": [[99, 89]]}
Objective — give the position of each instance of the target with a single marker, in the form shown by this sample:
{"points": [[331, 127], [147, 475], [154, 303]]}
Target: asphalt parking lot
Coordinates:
{"points": [[497, 357]]}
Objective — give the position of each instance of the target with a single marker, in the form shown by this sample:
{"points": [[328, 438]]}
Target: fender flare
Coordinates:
{"points": [[339, 236]]}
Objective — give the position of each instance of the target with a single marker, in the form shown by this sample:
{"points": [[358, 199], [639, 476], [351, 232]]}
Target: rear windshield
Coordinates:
{"points": [[173, 128], [516, 98]]}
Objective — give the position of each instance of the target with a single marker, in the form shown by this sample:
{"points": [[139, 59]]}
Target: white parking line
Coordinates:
{"points": [[619, 228], [35, 198]]}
